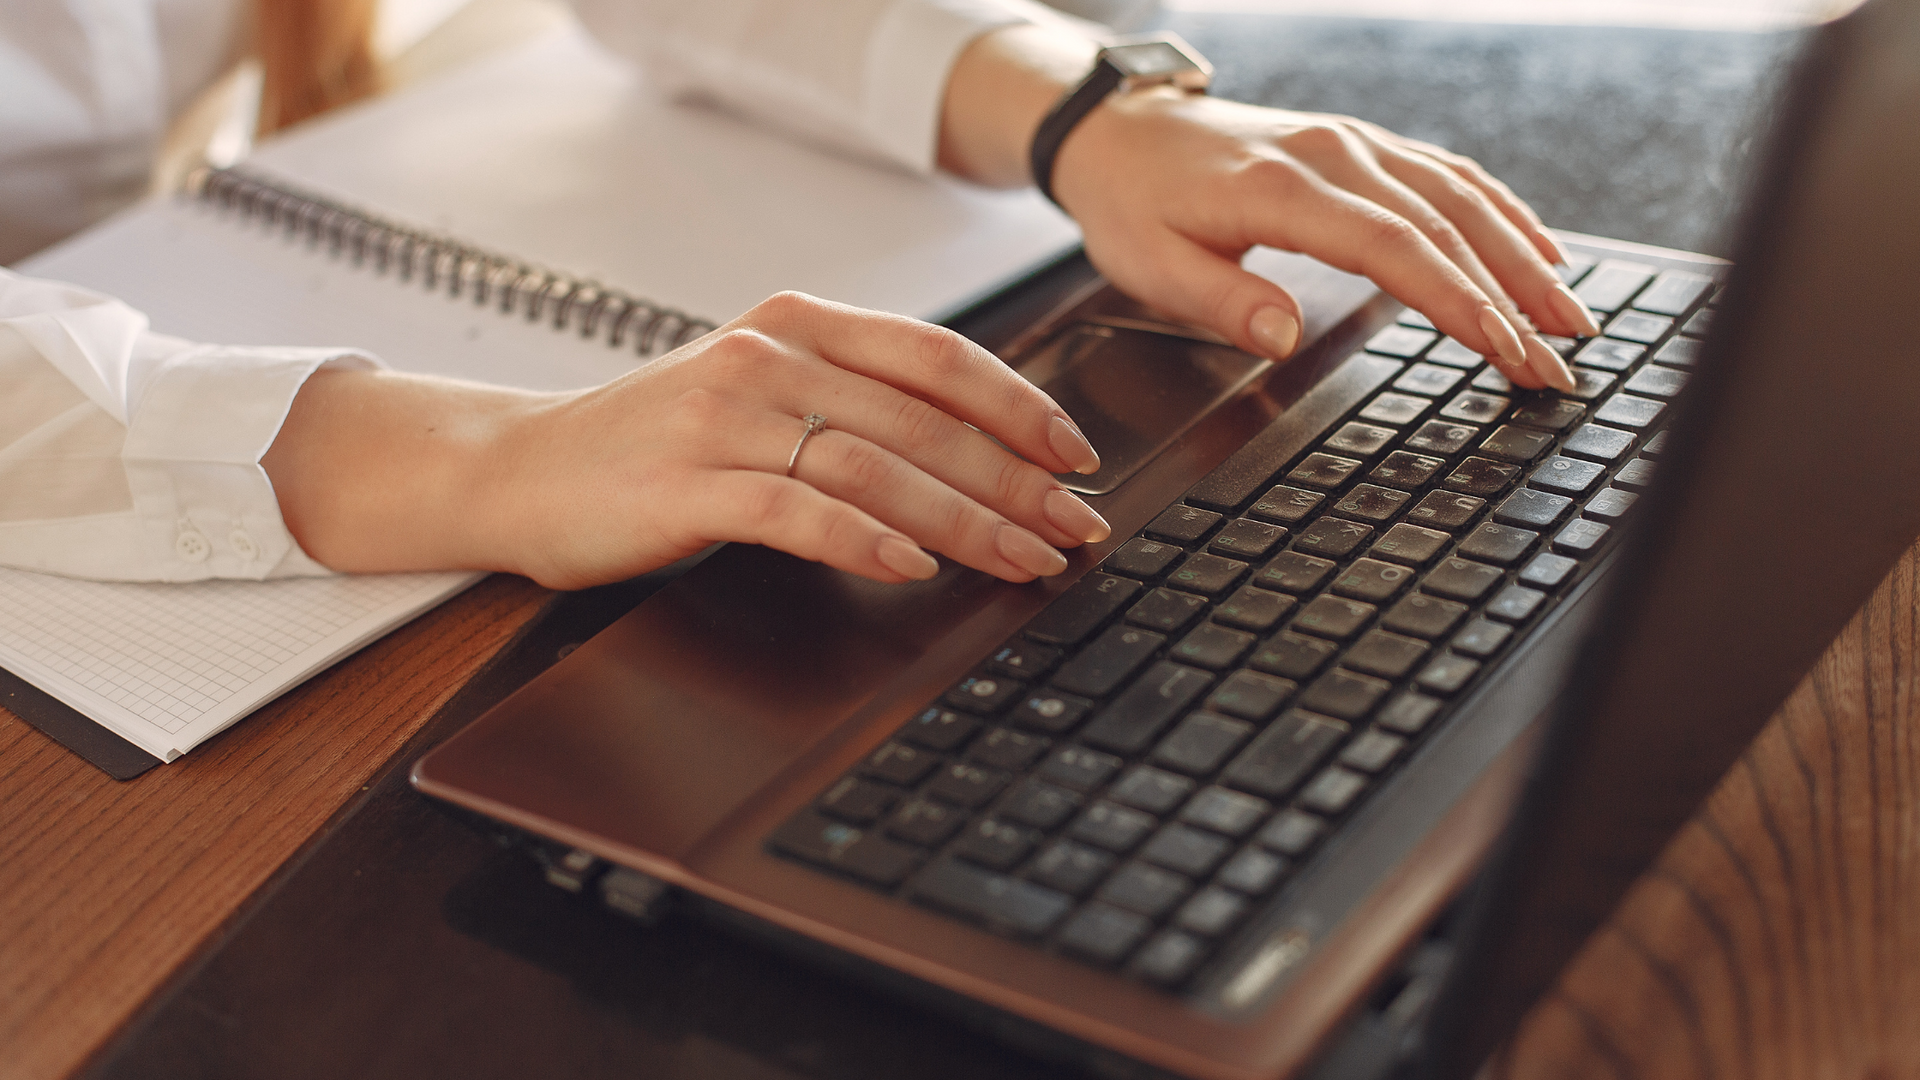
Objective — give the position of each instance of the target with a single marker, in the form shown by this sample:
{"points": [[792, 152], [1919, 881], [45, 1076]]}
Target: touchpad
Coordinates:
{"points": [[1134, 390]]}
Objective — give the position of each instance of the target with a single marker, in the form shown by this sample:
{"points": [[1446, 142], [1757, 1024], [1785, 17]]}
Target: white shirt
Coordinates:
{"points": [[109, 465]]}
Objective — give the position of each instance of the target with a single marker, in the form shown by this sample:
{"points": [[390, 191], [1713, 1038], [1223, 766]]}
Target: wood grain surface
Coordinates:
{"points": [[1779, 933], [106, 888]]}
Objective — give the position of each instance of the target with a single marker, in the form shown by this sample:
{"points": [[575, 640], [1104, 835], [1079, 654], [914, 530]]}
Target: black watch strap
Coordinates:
{"points": [[1159, 60]]}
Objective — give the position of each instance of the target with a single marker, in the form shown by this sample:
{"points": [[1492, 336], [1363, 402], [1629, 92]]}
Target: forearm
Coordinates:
{"points": [[1001, 87]]}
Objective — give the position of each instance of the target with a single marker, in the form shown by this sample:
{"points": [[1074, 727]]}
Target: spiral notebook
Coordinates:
{"points": [[541, 219]]}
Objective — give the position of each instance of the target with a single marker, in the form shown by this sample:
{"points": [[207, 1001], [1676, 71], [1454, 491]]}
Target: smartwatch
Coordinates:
{"points": [[1128, 64]]}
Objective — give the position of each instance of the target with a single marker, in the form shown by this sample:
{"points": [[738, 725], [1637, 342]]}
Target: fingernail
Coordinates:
{"points": [[1075, 518], [1546, 362], [1500, 332], [1570, 309], [905, 558], [1276, 331], [1073, 447], [1028, 552]]}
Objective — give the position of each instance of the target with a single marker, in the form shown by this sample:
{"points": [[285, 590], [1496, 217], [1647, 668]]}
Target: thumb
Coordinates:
{"points": [[1208, 290]]}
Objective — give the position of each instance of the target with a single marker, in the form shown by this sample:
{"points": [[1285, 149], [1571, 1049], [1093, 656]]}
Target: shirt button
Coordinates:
{"points": [[191, 546], [243, 545]]}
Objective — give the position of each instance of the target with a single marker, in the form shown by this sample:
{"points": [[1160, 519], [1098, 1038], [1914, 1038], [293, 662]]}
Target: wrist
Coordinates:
{"points": [[1144, 65]]}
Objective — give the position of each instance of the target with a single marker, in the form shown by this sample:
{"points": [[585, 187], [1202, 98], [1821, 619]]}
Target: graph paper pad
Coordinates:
{"points": [[167, 666]]}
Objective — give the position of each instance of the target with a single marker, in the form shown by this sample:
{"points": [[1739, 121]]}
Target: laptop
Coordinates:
{"points": [[1377, 639]]}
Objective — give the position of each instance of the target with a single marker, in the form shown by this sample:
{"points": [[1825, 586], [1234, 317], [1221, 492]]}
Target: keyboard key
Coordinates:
{"points": [[993, 898], [1149, 890], [1372, 580], [1680, 352], [1446, 509], [1112, 826], [1213, 646], [1392, 408], [1251, 695], [1186, 850], [1373, 750], [1408, 713], [1482, 476], [1082, 608], [1254, 609], [1409, 472], [1427, 617], [1401, 341], [1253, 871], [1656, 445], [1005, 748], [1333, 790], [1230, 813], [1503, 545], [1610, 504], [1050, 712], [984, 693], [1243, 538], [1516, 444], [926, 822], [1282, 755], [1656, 381], [1462, 579], [1293, 832], [899, 763], [965, 784], [1152, 790], [1410, 317], [1637, 473], [1069, 867], [1482, 638], [1322, 472], [1630, 411], [1209, 574], [1532, 509], [1361, 440], [1673, 293], [1491, 381], [1476, 408], [1699, 323], [1447, 674], [1079, 767], [1141, 558], [1183, 524], [1516, 603], [1024, 659], [859, 801], [1568, 475], [1287, 505], [1344, 695], [1039, 804], [861, 852], [1135, 718], [1589, 384], [1576, 267], [1550, 414], [1612, 284], [1442, 438], [1103, 665], [1370, 502], [939, 729], [1454, 354], [1211, 912], [994, 843], [1428, 379], [1333, 617], [1169, 958], [1331, 537], [1103, 934], [1409, 544], [1293, 656], [1580, 537], [1639, 327], [1292, 572], [1166, 610], [1548, 571], [1201, 742], [1599, 442], [1386, 654]]}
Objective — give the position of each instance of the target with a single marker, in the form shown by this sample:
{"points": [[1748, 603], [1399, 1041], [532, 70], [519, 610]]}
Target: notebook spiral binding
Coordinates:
{"points": [[443, 263]]}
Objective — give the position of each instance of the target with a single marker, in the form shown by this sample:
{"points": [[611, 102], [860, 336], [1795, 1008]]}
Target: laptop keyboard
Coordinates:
{"points": [[1172, 738]]}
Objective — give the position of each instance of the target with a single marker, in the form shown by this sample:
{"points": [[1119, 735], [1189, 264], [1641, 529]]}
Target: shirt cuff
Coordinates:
{"points": [[909, 60]]}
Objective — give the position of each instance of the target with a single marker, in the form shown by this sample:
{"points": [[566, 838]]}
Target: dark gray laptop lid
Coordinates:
{"points": [[1791, 487]]}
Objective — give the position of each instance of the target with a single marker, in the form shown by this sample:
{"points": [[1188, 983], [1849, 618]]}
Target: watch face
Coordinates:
{"points": [[1149, 59]]}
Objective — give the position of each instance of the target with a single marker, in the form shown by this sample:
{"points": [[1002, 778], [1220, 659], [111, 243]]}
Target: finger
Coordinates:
{"points": [[759, 508], [882, 484], [938, 366], [1512, 206], [1203, 288]]}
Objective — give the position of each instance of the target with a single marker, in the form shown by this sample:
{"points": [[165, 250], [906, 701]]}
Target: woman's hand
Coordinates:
{"points": [[1172, 189], [388, 472]]}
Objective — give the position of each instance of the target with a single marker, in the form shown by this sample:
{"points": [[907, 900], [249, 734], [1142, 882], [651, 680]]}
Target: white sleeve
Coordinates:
{"points": [[866, 76], [128, 455]]}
